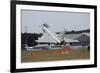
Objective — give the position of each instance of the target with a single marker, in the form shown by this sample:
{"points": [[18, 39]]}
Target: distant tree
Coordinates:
{"points": [[73, 31], [39, 35], [30, 38]]}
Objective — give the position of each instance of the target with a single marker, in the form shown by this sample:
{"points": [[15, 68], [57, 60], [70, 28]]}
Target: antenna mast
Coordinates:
{"points": [[25, 34]]}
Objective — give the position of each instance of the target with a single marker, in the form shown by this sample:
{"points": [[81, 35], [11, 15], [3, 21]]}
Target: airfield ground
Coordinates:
{"points": [[53, 55]]}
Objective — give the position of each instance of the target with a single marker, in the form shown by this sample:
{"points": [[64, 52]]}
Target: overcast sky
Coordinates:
{"points": [[58, 21]]}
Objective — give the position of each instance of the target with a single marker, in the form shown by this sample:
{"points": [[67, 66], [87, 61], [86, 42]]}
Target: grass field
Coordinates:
{"points": [[53, 55]]}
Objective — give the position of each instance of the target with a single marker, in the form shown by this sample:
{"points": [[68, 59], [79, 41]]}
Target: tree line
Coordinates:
{"points": [[30, 38]]}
